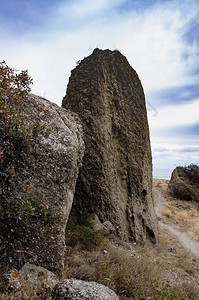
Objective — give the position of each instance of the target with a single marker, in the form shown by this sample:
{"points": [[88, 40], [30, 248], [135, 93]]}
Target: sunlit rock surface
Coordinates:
{"points": [[38, 177]]}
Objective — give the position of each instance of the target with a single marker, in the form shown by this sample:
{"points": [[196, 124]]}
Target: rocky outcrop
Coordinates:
{"points": [[115, 181], [71, 289], [34, 282], [181, 185], [39, 166]]}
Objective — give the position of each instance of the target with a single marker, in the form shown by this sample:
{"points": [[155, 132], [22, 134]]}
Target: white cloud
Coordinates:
{"points": [[155, 46], [172, 158], [85, 8], [171, 151], [151, 40], [184, 114]]}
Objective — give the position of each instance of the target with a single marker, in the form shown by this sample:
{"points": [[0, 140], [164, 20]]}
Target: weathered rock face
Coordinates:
{"points": [[82, 290], [115, 181], [181, 187], [38, 176]]}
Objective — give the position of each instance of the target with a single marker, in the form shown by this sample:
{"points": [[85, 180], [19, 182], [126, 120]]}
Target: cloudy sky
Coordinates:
{"points": [[160, 39]]}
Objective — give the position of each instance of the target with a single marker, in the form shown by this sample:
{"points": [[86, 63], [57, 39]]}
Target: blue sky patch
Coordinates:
{"points": [[175, 95], [192, 33]]}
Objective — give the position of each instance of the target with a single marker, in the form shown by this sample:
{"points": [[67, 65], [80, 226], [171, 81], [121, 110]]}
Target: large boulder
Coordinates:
{"points": [[183, 184], [72, 289], [41, 152], [115, 181]]}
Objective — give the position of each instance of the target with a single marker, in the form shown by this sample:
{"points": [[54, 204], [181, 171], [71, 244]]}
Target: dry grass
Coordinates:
{"points": [[184, 216], [134, 272], [195, 229], [28, 291], [162, 184], [162, 272]]}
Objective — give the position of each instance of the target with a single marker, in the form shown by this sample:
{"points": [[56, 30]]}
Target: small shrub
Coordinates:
{"points": [[14, 87], [13, 83], [192, 172], [136, 276], [81, 237]]}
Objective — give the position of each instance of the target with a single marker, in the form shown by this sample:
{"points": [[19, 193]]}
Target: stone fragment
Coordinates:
{"points": [[38, 277], [106, 228], [31, 282], [82, 290]]}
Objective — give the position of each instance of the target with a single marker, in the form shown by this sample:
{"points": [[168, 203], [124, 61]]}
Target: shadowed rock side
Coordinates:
{"points": [[38, 177], [115, 181], [182, 187]]}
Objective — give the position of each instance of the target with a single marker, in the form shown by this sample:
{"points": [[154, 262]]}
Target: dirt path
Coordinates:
{"points": [[186, 241], [159, 200], [191, 245]]}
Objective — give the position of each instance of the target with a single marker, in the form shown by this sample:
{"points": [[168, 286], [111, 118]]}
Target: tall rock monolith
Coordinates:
{"points": [[115, 182]]}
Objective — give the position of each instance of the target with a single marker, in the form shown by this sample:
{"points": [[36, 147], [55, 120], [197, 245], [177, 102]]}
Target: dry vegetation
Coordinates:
{"points": [[162, 272], [166, 271], [186, 219], [28, 292], [184, 215]]}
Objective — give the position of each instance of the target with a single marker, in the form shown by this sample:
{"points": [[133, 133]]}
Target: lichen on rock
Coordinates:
{"points": [[38, 177], [81, 290]]}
